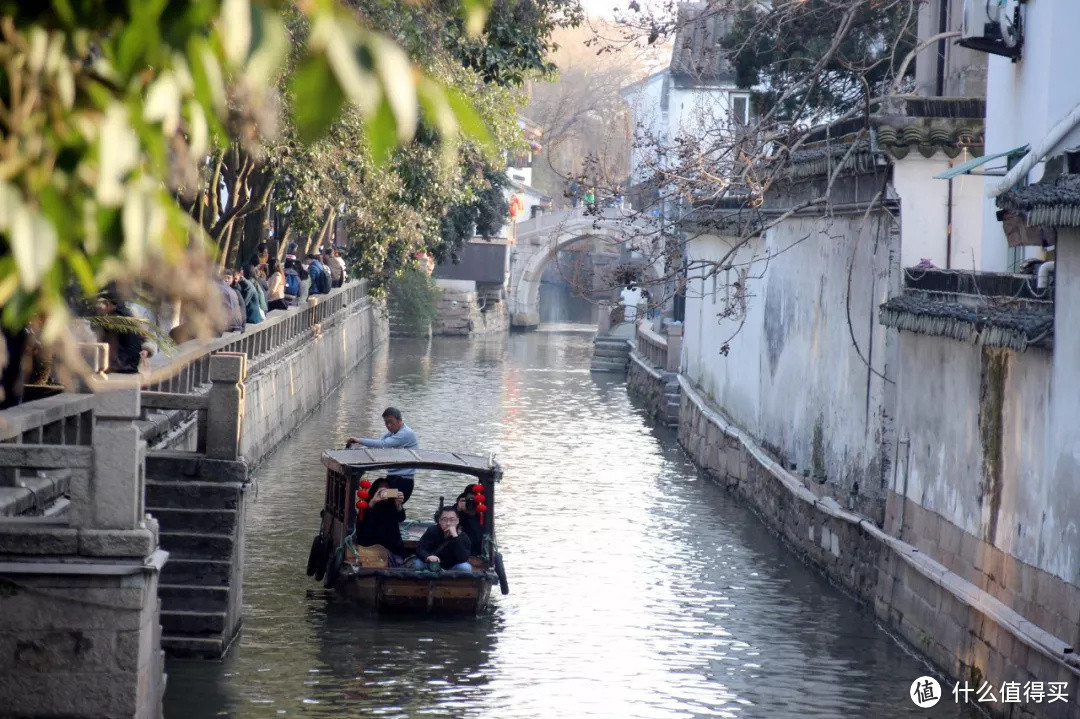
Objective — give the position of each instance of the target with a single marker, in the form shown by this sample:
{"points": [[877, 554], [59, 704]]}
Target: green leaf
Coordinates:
{"points": [[475, 12], [317, 98], [34, 244], [398, 85], [469, 119], [381, 132], [236, 29]]}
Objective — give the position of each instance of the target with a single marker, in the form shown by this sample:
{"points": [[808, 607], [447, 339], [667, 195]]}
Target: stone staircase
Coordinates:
{"points": [[199, 505], [610, 354], [672, 399]]}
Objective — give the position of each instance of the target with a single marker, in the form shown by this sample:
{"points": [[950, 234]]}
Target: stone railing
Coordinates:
{"points": [[31, 431], [660, 351], [186, 382], [262, 343]]}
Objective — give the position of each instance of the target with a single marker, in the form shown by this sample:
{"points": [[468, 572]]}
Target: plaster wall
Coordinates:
{"points": [[976, 420], [924, 209], [793, 377]]}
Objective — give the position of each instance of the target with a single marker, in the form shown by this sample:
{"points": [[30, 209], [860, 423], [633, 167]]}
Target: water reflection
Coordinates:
{"points": [[638, 589]]}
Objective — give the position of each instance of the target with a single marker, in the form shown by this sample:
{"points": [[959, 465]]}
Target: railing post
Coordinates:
{"points": [[674, 347], [112, 497], [604, 318], [226, 400]]}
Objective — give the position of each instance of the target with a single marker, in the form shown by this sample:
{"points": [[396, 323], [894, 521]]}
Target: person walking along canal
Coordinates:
{"points": [[398, 434]]}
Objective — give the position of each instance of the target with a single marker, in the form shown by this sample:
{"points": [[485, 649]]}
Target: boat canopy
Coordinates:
{"points": [[363, 459]]}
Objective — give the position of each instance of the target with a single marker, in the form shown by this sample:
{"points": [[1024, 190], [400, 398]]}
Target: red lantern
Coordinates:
{"points": [[361, 504], [477, 489], [363, 494], [365, 484], [481, 507]]}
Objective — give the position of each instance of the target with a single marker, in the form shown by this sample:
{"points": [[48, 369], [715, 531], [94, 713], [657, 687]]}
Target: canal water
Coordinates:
{"points": [[638, 588]]}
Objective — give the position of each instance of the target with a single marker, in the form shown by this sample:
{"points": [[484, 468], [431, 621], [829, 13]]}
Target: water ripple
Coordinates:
{"points": [[638, 589]]}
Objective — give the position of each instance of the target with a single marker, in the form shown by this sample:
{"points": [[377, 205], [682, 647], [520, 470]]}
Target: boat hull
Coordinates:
{"points": [[408, 591]]}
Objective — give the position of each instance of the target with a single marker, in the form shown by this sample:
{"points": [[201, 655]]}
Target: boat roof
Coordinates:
{"points": [[362, 459]]}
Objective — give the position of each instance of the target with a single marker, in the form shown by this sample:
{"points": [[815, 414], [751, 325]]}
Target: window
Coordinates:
{"points": [[740, 109]]}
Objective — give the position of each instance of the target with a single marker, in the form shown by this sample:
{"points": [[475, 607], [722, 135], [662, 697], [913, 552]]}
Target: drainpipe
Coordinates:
{"points": [[1045, 269], [943, 27], [948, 227], [1037, 153]]}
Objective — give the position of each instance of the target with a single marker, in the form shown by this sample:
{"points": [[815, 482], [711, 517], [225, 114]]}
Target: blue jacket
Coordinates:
{"points": [[404, 438]]}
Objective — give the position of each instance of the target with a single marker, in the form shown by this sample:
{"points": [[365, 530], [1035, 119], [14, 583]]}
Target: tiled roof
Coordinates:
{"points": [[930, 136], [814, 161], [1016, 325], [1055, 203]]}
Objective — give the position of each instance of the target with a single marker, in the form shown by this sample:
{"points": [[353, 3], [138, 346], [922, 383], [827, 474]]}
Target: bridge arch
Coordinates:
{"points": [[539, 241]]}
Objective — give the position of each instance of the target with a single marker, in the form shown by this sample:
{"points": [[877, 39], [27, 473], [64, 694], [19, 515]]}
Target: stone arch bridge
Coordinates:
{"points": [[539, 241]]}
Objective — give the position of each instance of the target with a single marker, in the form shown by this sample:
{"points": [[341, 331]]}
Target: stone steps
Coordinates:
{"points": [[614, 352], [197, 545], [610, 354], [204, 521], [185, 646], [181, 495], [192, 624], [197, 572], [181, 597]]}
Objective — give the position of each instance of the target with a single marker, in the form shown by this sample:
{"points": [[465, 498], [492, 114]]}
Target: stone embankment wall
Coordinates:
{"points": [[283, 394], [468, 312], [659, 390], [966, 632]]}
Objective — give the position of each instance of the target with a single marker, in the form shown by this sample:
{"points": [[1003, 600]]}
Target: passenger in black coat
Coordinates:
{"points": [[444, 544], [381, 520]]}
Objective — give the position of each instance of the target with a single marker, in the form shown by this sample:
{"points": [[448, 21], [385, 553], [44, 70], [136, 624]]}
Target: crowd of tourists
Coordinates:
{"points": [[265, 284], [249, 293]]}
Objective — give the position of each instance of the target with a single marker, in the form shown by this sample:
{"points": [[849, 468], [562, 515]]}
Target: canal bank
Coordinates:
{"points": [[638, 589], [964, 631]]}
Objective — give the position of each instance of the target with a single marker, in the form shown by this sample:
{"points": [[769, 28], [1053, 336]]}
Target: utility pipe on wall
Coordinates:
{"points": [[1045, 269], [1037, 153]]}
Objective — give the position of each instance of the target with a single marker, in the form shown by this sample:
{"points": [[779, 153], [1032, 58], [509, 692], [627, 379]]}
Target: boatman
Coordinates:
{"points": [[398, 434]]}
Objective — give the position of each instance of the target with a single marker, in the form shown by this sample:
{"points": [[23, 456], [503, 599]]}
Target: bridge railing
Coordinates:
{"points": [[659, 350]]}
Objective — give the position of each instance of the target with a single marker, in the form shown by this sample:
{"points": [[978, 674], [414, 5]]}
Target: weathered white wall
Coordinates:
{"points": [[733, 381], [961, 407], [1063, 447], [1027, 98], [924, 209], [792, 377]]}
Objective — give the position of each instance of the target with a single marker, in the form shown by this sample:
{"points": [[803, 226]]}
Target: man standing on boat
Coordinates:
{"points": [[398, 434]]}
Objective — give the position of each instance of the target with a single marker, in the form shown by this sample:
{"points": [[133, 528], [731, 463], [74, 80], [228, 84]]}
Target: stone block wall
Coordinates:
{"points": [[954, 620], [463, 313], [658, 389], [281, 396], [83, 646]]}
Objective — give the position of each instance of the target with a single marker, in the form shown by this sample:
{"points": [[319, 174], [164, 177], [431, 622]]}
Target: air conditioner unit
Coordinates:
{"points": [[993, 26]]}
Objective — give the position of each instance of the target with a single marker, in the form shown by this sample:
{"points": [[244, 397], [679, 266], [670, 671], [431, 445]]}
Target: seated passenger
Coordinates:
{"points": [[469, 517], [379, 524], [444, 544]]}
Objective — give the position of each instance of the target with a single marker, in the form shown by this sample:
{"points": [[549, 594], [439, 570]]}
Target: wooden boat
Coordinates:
{"points": [[361, 573]]}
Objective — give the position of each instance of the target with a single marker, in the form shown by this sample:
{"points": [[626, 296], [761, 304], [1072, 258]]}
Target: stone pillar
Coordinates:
{"points": [[113, 496], [227, 372], [603, 318], [674, 347], [79, 620]]}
